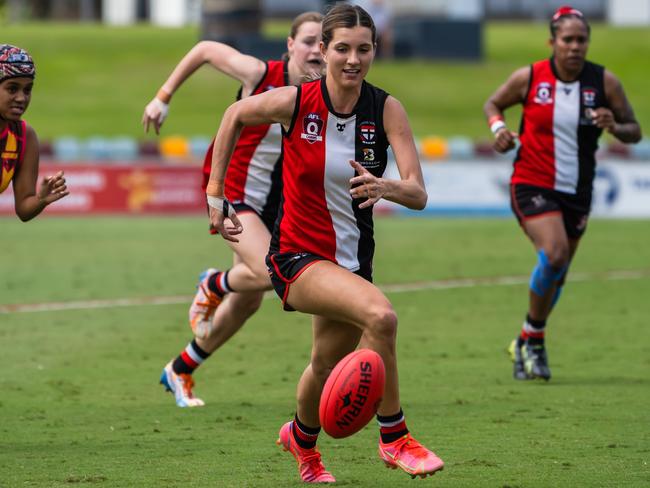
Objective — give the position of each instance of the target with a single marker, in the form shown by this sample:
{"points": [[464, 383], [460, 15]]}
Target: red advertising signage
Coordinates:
{"points": [[115, 189]]}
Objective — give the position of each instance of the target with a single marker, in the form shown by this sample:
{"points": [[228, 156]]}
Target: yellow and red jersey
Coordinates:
{"points": [[12, 150]]}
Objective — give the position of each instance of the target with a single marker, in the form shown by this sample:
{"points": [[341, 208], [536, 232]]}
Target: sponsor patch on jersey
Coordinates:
{"points": [[312, 128], [367, 132], [543, 93], [589, 97], [368, 154], [369, 161]]}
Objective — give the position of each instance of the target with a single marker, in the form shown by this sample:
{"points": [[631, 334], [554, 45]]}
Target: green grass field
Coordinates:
{"points": [[95, 80], [81, 406]]}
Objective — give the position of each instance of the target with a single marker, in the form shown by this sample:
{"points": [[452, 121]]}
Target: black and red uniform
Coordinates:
{"points": [[12, 151], [253, 178], [318, 219], [555, 165]]}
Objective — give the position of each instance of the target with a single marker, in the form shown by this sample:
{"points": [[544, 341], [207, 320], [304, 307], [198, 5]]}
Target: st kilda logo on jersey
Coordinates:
{"points": [[543, 93], [367, 132], [312, 128]]}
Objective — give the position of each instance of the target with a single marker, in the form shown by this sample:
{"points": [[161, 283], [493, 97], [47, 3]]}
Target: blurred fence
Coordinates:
{"points": [[476, 187], [191, 150]]}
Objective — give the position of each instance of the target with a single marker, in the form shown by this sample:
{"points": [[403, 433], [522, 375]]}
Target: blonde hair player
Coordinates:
{"points": [[336, 132], [226, 299]]}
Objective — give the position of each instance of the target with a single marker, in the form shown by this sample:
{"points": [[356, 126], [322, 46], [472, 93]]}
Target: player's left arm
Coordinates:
{"points": [[409, 190], [27, 200], [619, 118]]}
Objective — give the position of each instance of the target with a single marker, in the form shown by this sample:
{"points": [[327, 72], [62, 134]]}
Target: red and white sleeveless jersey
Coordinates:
{"points": [[558, 138], [12, 151], [253, 176], [317, 214]]}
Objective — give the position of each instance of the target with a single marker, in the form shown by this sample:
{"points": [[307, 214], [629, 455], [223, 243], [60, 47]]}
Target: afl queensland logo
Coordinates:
{"points": [[367, 132], [543, 93], [312, 128]]}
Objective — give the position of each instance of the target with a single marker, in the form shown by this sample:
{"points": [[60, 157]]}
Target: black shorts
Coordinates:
{"points": [[528, 201], [285, 268], [242, 207]]}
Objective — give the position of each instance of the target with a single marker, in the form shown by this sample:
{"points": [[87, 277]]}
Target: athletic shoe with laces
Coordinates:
{"points": [[204, 305], [535, 361], [409, 455], [518, 370], [181, 386], [309, 460]]}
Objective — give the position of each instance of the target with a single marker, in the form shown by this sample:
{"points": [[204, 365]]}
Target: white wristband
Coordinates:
{"points": [[496, 126], [163, 107], [222, 205]]}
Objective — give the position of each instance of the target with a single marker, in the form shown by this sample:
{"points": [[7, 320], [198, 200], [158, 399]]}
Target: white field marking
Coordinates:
{"points": [[617, 275]]}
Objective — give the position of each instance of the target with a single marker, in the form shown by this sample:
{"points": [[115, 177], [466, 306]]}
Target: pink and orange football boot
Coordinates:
{"points": [[309, 461], [409, 455]]}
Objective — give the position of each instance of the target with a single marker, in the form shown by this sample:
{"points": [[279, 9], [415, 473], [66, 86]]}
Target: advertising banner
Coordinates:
{"points": [[121, 189], [481, 188]]}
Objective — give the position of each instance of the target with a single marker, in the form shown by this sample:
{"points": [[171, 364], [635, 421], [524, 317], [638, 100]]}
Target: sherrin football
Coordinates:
{"points": [[352, 393]]}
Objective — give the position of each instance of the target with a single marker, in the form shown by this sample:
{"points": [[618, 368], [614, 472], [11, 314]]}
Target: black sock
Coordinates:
{"points": [[218, 283], [392, 427], [536, 338], [189, 359], [304, 436]]}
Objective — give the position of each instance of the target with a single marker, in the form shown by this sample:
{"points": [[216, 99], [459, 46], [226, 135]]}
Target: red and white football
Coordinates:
{"points": [[352, 393]]}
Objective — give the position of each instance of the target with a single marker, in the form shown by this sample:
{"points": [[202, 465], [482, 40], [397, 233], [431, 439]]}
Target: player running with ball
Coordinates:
{"points": [[336, 132]]}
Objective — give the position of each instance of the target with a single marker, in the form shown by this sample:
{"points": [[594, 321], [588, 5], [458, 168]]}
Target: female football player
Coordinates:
{"points": [[226, 299], [567, 103], [336, 132], [19, 151]]}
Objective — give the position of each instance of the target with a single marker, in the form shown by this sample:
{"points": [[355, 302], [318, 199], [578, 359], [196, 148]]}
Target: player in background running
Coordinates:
{"points": [[226, 299], [567, 103]]}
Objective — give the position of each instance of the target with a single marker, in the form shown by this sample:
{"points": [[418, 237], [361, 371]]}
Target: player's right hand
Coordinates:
{"points": [[504, 140], [220, 210], [155, 114], [52, 188]]}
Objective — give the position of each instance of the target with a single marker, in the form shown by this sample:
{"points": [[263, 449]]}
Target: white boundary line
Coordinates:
{"points": [[618, 275]]}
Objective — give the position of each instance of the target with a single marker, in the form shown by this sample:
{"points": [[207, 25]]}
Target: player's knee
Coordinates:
{"points": [[549, 269], [558, 256], [382, 323]]}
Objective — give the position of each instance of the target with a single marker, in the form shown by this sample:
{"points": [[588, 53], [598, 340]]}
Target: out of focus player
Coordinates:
{"points": [[567, 103], [19, 152], [226, 299]]}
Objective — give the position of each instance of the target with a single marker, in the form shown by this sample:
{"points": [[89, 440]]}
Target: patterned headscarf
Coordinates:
{"points": [[15, 62]]}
